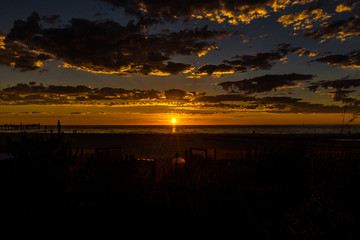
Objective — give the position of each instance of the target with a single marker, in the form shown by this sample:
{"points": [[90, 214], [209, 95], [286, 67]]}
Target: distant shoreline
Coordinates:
{"points": [[193, 129], [157, 144]]}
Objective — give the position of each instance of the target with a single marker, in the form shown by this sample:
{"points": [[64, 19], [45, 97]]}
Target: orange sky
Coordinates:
{"points": [[93, 115], [209, 62]]}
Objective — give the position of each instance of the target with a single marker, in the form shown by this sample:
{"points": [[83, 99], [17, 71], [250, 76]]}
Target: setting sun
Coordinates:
{"points": [[173, 120]]}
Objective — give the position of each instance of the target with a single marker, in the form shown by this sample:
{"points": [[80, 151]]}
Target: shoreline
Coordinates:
{"points": [[158, 145]]}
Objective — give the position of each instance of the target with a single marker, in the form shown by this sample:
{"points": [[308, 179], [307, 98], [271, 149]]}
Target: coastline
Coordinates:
{"points": [[157, 145]]}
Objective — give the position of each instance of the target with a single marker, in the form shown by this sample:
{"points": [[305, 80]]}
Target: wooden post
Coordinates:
{"points": [[59, 127]]}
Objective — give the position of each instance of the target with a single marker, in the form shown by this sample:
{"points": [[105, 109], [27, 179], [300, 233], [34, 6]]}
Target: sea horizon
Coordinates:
{"points": [[197, 129]]}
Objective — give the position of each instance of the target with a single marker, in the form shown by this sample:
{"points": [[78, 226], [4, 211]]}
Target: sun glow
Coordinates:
{"points": [[173, 121]]}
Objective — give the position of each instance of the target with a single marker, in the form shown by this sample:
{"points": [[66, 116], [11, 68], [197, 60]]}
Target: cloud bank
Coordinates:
{"points": [[257, 61], [104, 47], [265, 83], [233, 12], [340, 29], [183, 101], [350, 60]]}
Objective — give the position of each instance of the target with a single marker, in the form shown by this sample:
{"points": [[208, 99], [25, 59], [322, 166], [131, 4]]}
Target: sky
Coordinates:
{"points": [[142, 62]]}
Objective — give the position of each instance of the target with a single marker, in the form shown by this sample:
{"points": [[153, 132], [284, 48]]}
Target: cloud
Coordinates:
{"points": [[347, 6], [22, 88], [226, 98], [303, 52], [51, 19], [174, 100], [279, 105], [215, 70], [305, 19], [340, 86], [350, 60], [340, 29], [297, 105], [233, 12], [108, 47], [2, 41], [175, 94], [343, 96], [257, 61], [270, 104], [20, 57], [24, 94], [265, 83], [306, 107]]}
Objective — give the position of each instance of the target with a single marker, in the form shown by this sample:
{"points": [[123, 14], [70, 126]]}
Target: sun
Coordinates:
{"points": [[173, 120]]}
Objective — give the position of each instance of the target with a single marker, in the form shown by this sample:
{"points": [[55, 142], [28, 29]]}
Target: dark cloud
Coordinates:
{"points": [[51, 19], [108, 91], [78, 93], [296, 105], [52, 94], [216, 70], [142, 94], [339, 84], [257, 61], [189, 102], [216, 10], [6, 97], [17, 54], [285, 49], [306, 107], [340, 29], [341, 92], [265, 83], [350, 60], [175, 94], [343, 96], [305, 19], [31, 99], [278, 100], [270, 104], [22, 88], [21, 57], [108, 47], [226, 98]]}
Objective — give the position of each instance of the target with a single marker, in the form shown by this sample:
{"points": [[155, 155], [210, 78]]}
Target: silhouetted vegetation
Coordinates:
{"points": [[283, 190]]}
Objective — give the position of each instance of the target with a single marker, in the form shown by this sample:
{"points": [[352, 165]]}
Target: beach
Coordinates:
{"points": [[161, 146], [102, 185]]}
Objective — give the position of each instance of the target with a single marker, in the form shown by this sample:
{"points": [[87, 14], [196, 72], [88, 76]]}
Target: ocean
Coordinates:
{"points": [[199, 129]]}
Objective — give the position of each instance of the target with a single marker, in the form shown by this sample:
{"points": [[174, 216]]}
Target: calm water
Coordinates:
{"points": [[213, 129]]}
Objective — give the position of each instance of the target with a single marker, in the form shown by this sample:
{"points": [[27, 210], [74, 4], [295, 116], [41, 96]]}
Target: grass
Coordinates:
{"points": [[284, 190]]}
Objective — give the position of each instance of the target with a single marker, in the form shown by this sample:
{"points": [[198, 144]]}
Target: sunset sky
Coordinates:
{"points": [[200, 62]]}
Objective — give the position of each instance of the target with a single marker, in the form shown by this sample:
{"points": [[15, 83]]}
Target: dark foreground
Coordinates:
{"points": [[260, 187]]}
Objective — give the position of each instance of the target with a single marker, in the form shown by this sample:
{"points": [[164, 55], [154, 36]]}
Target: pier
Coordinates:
{"points": [[17, 127]]}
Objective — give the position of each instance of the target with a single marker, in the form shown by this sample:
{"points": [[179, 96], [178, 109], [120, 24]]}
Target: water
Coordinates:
{"points": [[193, 129]]}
